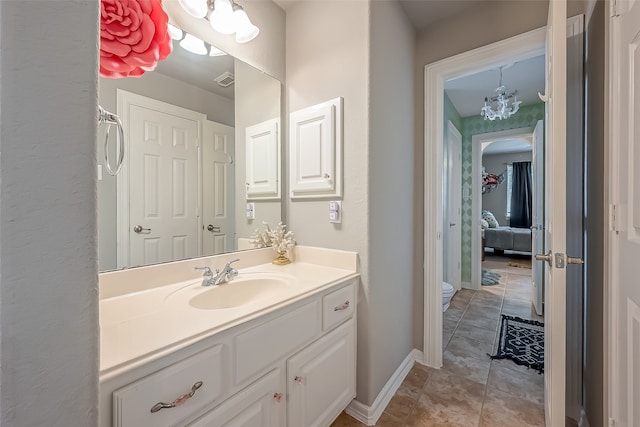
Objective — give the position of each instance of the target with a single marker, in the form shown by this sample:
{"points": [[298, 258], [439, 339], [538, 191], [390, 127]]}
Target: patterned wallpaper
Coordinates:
{"points": [[527, 117]]}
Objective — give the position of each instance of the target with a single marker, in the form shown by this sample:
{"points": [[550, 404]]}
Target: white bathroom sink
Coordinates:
{"points": [[240, 292]]}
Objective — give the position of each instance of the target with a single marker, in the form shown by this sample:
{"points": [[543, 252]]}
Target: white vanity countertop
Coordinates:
{"points": [[157, 319]]}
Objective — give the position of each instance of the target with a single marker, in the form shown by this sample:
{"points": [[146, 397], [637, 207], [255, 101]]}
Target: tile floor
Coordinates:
{"points": [[471, 389]]}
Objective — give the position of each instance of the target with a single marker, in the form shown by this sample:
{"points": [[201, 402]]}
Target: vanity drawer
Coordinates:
{"points": [[265, 344], [338, 306], [132, 404]]}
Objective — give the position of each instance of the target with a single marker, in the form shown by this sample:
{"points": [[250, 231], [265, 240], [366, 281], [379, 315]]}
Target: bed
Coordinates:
{"points": [[508, 239]]}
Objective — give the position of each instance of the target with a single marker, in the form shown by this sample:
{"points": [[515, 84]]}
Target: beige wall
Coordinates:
{"points": [[446, 38], [328, 57], [48, 254], [391, 186], [363, 52], [257, 100]]}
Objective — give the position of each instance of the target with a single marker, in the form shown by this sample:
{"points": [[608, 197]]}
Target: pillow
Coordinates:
{"points": [[491, 220], [484, 224]]}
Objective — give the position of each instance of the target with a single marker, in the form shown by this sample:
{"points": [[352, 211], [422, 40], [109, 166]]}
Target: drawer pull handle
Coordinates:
{"points": [[342, 307], [179, 401], [298, 379], [278, 397]]}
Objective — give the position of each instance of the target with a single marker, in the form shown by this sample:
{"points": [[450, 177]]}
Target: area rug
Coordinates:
{"points": [[490, 278], [522, 341], [520, 263]]}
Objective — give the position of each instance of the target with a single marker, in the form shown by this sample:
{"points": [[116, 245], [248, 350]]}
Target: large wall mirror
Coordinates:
{"points": [[202, 165]]}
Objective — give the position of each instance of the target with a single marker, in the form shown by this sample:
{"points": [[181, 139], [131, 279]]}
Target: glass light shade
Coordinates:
{"points": [[195, 8], [175, 32], [193, 45], [245, 30], [222, 19], [214, 51]]}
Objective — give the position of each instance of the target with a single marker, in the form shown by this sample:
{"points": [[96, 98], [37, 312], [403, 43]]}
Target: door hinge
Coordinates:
{"points": [[614, 9], [612, 422], [613, 218]]}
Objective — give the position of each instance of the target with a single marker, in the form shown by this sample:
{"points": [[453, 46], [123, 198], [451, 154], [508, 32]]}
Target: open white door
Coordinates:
{"points": [[624, 234], [537, 216], [218, 182], [555, 215], [453, 220]]}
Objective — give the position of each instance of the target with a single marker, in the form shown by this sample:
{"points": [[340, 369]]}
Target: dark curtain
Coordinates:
{"points": [[521, 195]]}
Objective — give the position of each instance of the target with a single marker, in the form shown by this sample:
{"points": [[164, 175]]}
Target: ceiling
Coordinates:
{"points": [[467, 93], [423, 13], [198, 70], [504, 146]]}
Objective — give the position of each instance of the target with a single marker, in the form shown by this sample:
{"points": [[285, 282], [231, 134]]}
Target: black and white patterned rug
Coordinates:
{"points": [[522, 341]]}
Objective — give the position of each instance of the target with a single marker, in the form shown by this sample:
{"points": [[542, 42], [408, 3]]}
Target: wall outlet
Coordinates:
{"points": [[335, 212], [251, 210]]}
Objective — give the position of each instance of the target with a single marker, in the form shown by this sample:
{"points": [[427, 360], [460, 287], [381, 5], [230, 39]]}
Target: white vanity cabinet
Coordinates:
{"points": [[293, 366]]}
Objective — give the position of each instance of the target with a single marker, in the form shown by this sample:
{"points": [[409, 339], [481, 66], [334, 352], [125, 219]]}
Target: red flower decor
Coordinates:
{"points": [[133, 37]]}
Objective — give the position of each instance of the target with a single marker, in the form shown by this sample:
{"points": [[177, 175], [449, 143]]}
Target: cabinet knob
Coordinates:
{"points": [[278, 397], [298, 379], [179, 400], [342, 306]]}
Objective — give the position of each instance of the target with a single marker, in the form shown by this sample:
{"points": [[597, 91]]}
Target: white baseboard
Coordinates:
{"points": [[369, 415]]}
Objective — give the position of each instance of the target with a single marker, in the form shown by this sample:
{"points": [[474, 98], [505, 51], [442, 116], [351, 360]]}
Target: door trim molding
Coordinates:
{"points": [[517, 48]]}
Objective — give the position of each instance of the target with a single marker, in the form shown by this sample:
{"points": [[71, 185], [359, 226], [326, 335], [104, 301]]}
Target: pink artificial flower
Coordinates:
{"points": [[133, 37]]}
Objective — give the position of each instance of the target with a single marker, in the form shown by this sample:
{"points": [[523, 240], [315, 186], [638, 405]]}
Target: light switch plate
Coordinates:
{"points": [[251, 211], [335, 212]]}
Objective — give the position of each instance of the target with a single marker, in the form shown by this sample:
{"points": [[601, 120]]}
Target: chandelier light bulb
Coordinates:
{"points": [[222, 19], [195, 8]]}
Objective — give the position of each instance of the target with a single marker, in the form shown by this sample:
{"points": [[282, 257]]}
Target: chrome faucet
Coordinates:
{"points": [[227, 274]]}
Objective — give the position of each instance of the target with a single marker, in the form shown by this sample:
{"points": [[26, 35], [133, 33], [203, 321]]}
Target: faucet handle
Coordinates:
{"points": [[231, 262], [207, 271]]}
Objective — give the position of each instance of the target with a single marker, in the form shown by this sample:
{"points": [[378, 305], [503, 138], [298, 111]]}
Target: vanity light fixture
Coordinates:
{"points": [[245, 30], [227, 17], [214, 51], [193, 44], [195, 8], [175, 33], [222, 18]]}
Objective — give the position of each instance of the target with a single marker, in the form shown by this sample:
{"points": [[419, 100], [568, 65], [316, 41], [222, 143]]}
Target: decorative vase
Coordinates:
{"points": [[282, 259]]}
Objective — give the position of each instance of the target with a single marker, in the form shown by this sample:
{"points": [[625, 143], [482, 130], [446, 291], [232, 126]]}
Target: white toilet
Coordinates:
{"points": [[447, 293]]}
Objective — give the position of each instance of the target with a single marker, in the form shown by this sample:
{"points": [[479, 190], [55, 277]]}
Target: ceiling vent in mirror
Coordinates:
{"points": [[225, 79]]}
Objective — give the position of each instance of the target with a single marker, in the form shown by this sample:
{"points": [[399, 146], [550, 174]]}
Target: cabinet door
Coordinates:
{"points": [[315, 146], [263, 160], [262, 404], [321, 378]]}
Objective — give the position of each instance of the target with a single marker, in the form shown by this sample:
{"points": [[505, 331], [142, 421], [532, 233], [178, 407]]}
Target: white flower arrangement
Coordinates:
{"points": [[261, 238], [278, 238], [281, 239]]}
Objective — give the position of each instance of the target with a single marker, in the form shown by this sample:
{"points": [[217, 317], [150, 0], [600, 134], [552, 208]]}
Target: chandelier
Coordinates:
{"points": [[497, 107]]}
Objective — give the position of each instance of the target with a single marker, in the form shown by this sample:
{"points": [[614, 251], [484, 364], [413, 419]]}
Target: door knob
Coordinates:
{"points": [[543, 257], [138, 229], [452, 224], [213, 229]]}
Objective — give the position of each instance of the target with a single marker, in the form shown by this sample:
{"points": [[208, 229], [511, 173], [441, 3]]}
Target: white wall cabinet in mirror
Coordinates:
{"points": [[263, 160], [315, 166]]}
